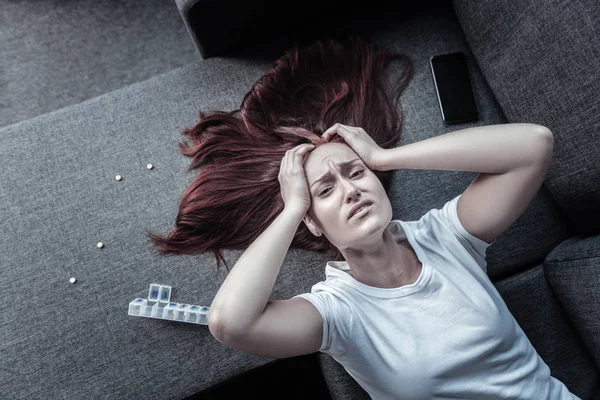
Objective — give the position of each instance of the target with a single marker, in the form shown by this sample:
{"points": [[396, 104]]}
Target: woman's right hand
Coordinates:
{"points": [[294, 188]]}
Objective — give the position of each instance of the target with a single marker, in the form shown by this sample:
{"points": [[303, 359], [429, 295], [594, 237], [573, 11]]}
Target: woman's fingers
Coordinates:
{"points": [[331, 131], [302, 149], [338, 128]]}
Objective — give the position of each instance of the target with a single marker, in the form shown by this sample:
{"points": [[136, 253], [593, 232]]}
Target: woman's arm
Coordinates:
{"points": [[490, 149], [245, 292], [512, 159]]}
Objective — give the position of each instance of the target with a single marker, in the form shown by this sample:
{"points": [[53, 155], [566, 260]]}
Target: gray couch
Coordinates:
{"points": [[59, 198]]}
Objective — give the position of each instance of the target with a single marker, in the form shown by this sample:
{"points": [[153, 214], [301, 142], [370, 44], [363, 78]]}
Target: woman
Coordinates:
{"points": [[409, 311]]}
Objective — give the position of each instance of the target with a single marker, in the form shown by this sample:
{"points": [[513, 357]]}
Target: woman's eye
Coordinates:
{"points": [[356, 172], [325, 191]]}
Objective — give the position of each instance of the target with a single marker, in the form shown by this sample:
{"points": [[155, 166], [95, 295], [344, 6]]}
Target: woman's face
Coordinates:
{"points": [[333, 198]]}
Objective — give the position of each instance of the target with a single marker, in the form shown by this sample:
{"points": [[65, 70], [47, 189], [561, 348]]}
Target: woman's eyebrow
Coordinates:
{"points": [[328, 174]]}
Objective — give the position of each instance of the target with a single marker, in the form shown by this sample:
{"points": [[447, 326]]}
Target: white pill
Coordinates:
{"points": [[100, 245], [149, 166], [72, 280], [118, 177]]}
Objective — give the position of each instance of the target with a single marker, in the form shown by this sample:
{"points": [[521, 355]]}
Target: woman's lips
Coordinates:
{"points": [[365, 210]]}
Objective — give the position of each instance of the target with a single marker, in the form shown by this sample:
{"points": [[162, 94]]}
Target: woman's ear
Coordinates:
{"points": [[310, 224]]}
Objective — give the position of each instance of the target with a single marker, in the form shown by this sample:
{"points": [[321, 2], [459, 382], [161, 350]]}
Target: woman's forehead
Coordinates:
{"points": [[323, 156]]}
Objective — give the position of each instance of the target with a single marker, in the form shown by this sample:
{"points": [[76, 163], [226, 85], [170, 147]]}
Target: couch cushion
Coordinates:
{"points": [[59, 198], [531, 301], [541, 60], [573, 271]]}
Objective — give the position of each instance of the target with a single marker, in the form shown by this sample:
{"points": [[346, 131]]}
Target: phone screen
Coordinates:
{"points": [[453, 87]]}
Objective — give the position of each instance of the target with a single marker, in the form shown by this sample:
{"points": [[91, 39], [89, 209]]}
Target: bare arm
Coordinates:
{"points": [[512, 159], [244, 294], [489, 149]]}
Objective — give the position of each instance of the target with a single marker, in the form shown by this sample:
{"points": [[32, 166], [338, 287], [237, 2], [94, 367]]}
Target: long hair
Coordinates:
{"points": [[236, 194]]}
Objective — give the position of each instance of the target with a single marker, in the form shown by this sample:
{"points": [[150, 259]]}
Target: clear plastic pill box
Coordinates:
{"points": [[159, 305]]}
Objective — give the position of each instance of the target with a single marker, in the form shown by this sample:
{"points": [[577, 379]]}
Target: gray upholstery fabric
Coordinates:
{"points": [[59, 197], [54, 54], [541, 61], [573, 271], [554, 337]]}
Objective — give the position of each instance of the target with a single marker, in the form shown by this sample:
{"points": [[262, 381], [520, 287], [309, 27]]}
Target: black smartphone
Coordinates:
{"points": [[453, 87]]}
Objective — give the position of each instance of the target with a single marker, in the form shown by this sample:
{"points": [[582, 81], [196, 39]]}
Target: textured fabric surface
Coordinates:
{"points": [[551, 333], [54, 54], [59, 198], [573, 272], [541, 60]]}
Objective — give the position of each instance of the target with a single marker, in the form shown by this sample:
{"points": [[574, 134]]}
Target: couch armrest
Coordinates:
{"points": [[220, 26], [216, 25]]}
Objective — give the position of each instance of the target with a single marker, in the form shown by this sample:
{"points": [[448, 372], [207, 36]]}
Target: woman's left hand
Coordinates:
{"points": [[361, 143]]}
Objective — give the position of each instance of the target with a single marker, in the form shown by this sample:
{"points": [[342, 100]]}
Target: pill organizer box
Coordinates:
{"points": [[159, 305]]}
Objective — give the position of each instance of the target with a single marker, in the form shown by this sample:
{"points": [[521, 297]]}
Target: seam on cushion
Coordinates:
{"points": [[572, 259]]}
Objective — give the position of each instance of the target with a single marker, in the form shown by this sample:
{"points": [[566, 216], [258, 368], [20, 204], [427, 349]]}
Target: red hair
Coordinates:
{"points": [[236, 195]]}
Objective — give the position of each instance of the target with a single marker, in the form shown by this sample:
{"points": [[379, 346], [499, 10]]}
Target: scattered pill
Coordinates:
{"points": [[72, 280], [149, 166], [118, 177], [100, 245]]}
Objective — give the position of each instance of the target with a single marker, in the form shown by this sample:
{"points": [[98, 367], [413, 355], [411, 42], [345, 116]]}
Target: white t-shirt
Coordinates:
{"points": [[448, 335]]}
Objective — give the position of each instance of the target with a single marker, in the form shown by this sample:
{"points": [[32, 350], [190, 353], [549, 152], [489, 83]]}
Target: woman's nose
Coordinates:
{"points": [[352, 193]]}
